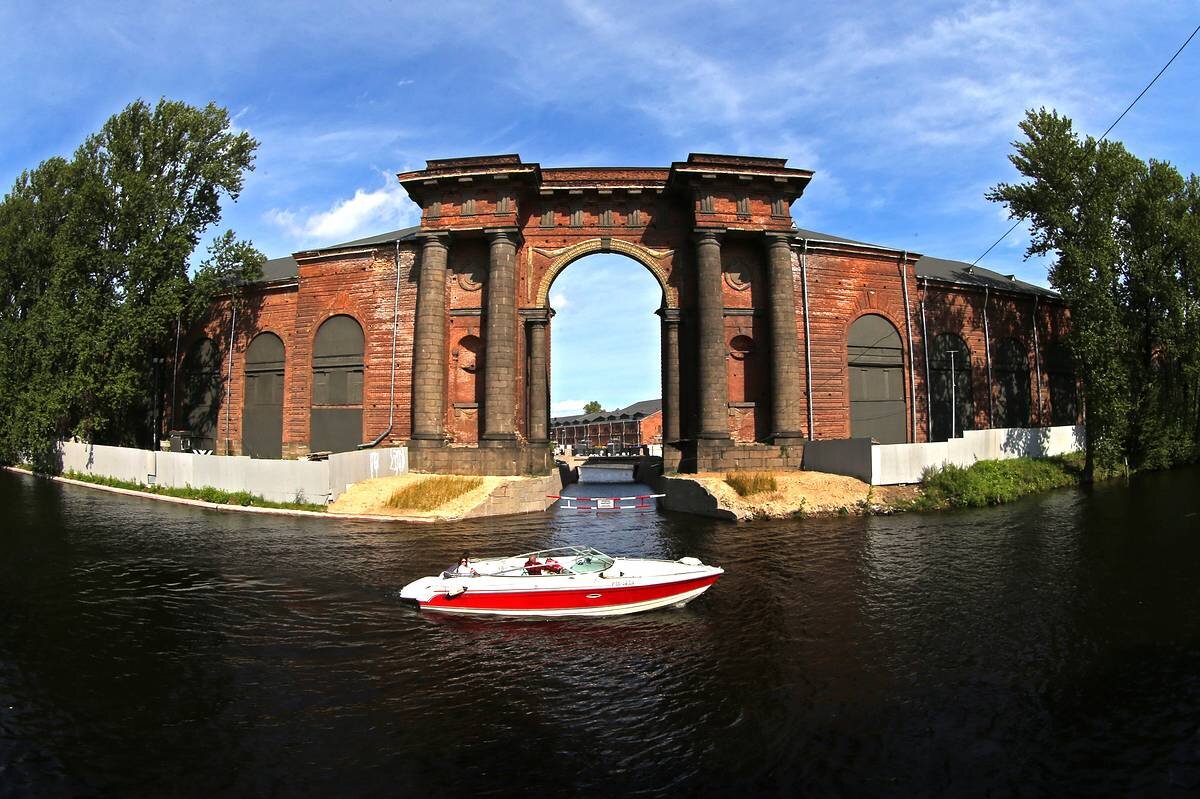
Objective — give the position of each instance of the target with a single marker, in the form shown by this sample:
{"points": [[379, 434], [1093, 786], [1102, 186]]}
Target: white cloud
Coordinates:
{"points": [[567, 407], [366, 213], [559, 300]]}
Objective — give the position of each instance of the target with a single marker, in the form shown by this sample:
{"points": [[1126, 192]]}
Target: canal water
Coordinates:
{"points": [[1049, 647]]}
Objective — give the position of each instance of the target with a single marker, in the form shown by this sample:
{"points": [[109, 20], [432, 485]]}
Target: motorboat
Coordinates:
{"points": [[565, 581]]}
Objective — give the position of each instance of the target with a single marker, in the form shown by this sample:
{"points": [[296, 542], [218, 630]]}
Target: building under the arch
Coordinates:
{"points": [[439, 335]]}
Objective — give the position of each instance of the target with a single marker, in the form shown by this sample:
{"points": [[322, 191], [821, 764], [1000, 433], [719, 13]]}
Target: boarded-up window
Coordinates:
{"points": [[337, 386], [952, 404], [200, 395], [1060, 373], [1013, 388], [876, 365], [262, 410]]}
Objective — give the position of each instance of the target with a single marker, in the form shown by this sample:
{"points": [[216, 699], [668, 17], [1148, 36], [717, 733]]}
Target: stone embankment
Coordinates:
{"points": [[797, 494], [495, 496]]}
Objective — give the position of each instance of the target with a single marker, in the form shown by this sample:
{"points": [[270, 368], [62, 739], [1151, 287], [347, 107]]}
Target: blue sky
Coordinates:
{"points": [[904, 110]]}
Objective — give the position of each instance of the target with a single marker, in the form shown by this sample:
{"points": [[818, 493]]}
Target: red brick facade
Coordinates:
{"points": [[653, 216]]}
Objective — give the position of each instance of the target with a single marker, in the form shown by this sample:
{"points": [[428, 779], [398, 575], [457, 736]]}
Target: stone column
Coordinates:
{"points": [[710, 318], [500, 349], [670, 373], [537, 381], [429, 345], [787, 402]]}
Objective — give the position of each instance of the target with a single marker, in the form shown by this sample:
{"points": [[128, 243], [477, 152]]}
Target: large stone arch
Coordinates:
{"points": [[565, 256]]}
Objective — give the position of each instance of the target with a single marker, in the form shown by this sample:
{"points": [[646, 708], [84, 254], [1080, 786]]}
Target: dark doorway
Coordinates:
{"points": [[200, 396], [1013, 402], [952, 405], [337, 386], [876, 365], [1060, 373], [262, 410]]}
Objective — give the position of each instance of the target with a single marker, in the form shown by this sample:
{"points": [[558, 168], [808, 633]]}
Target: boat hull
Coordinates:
{"points": [[603, 599]]}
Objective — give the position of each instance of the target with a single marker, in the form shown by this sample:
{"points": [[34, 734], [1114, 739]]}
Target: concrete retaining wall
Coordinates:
{"points": [[316, 482], [891, 464]]}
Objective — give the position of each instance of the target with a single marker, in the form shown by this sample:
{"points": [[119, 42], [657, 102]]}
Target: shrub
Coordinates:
{"points": [[747, 483], [432, 492], [993, 482]]}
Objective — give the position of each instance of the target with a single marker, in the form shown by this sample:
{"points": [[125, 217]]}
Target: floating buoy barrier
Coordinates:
{"points": [[642, 502]]}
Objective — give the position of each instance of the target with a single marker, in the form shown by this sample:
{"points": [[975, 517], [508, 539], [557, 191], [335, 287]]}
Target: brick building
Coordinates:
{"points": [[439, 335], [626, 428]]}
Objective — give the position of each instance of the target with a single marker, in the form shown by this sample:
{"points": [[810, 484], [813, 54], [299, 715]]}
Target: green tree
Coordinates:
{"points": [[94, 253], [592, 407], [1126, 236], [1073, 195]]}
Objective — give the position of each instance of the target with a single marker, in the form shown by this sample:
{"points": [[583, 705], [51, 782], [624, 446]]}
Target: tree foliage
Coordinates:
{"points": [[592, 407], [94, 270], [1126, 236]]}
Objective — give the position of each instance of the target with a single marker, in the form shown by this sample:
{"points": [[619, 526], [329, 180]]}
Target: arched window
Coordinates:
{"points": [[952, 405], [1060, 373], [200, 395], [1011, 370], [876, 364], [262, 407], [337, 386]]}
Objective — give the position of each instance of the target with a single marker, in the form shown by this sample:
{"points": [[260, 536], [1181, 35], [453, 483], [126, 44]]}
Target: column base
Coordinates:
{"points": [[426, 441], [715, 435], [787, 438]]}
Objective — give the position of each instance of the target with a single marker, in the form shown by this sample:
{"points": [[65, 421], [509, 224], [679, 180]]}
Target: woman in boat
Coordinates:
{"points": [[462, 568]]}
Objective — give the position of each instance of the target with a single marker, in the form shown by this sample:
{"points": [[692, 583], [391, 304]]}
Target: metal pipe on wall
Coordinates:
{"points": [[987, 351], [395, 330], [912, 379], [928, 382], [1037, 360], [807, 341], [229, 372]]}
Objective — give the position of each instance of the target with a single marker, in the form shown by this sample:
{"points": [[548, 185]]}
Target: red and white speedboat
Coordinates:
{"points": [[568, 581]]}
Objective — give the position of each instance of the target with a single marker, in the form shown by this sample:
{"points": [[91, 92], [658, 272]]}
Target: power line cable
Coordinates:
{"points": [[1105, 136]]}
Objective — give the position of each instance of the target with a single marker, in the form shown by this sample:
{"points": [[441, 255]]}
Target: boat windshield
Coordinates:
{"points": [[576, 560]]}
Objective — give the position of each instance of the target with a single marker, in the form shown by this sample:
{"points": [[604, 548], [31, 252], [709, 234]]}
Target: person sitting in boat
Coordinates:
{"points": [[462, 568], [533, 566], [552, 566]]}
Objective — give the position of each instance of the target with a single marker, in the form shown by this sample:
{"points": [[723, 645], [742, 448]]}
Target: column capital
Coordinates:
{"points": [[776, 239], [707, 235], [536, 316], [434, 238], [670, 316], [509, 234]]}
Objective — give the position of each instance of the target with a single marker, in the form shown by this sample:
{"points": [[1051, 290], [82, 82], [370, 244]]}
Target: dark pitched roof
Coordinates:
{"points": [[279, 269], [636, 410], [382, 238], [286, 268], [947, 271], [964, 274]]}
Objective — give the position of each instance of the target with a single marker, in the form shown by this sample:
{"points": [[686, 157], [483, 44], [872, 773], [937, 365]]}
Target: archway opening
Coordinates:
{"points": [[337, 388], [262, 409], [876, 364], [952, 408], [605, 344]]}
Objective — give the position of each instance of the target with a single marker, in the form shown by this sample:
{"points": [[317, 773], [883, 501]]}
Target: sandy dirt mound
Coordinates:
{"points": [[798, 492], [370, 497]]}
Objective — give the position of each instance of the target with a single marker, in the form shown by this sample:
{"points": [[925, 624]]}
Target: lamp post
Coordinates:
{"points": [[157, 361]]}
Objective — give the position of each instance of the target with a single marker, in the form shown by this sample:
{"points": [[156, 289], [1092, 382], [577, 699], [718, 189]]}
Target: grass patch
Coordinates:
{"points": [[747, 483], [204, 493], [433, 492], [992, 482]]}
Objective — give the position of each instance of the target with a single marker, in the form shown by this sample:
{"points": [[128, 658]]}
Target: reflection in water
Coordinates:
{"points": [[1046, 647]]}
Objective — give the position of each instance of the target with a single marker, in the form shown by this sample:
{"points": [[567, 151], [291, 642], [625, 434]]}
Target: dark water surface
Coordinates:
{"points": [[1050, 647]]}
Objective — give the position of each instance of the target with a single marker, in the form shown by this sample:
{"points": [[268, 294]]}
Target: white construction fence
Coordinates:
{"points": [[316, 482], [892, 464]]}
